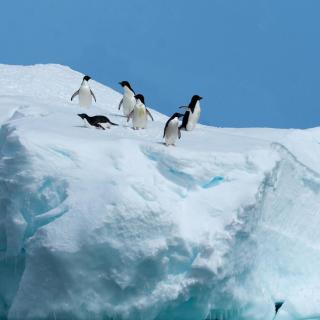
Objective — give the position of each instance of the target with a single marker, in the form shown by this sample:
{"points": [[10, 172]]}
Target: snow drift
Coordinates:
{"points": [[114, 225]]}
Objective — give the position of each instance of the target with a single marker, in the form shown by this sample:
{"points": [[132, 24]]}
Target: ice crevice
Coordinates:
{"points": [[176, 170], [248, 246]]}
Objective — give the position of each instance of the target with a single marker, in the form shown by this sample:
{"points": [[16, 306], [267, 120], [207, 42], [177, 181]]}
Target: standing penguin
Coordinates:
{"points": [[192, 114], [139, 114], [85, 93], [128, 101], [171, 130]]}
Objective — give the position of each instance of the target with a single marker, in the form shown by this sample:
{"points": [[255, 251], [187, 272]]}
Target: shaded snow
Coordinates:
{"points": [[101, 224]]}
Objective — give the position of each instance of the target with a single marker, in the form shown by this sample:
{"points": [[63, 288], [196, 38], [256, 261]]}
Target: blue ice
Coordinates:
{"points": [[213, 182]]}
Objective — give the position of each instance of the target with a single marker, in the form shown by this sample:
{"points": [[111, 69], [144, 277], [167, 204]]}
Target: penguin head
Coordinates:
{"points": [[125, 84], [139, 97], [82, 116], [177, 115], [87, 78], [194, 101], [196, 98]]}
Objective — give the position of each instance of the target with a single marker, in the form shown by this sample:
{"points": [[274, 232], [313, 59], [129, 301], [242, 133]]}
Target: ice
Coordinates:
{"points": [[213, 182], [115, 225]]}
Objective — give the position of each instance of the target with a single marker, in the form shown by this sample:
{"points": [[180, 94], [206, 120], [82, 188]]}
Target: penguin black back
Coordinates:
{"points": [[185, 120], [96, 120]]}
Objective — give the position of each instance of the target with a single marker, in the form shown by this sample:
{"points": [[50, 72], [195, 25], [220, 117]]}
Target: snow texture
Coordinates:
{"points": [[114, 225]]}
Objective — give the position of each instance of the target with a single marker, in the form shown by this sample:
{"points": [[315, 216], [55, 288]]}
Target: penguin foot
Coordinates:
{"points": [[99, 126]]}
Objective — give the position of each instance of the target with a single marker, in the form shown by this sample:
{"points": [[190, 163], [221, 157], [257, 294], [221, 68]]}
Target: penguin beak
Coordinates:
{"points": [[200, 98], [120, 83]]}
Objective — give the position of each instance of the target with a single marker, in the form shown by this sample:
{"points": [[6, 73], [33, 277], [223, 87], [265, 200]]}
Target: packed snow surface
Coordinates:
{"points": [[114, 225]]}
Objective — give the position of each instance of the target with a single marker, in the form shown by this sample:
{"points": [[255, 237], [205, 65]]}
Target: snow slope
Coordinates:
{"points": [[114, 225]]}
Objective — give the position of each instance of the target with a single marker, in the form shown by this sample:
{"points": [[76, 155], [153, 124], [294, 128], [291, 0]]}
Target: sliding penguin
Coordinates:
{"points": [[139, 114], [101, 122], [128, 101], [192, 114], [85, 93], [171, 130]]}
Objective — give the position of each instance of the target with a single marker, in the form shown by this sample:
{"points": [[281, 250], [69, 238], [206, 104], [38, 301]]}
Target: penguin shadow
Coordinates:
{"points": [[93, 128], [164, 144], [117, 115], [126, 126]]}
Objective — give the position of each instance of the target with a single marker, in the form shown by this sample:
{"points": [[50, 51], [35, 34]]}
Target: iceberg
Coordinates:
{"points": [[114, 225]]}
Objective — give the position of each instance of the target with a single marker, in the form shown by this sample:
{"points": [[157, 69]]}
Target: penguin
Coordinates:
{"points": [[139, 114], [128, 101], [85, 93], [171, 130], [192, 114], [101, 122]]}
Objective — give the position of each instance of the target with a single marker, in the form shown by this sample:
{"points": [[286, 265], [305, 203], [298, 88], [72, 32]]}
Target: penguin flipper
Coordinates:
{"points": [[179, 133], [165, 128], [120, 103], [94, 97], [150, 115], [75, 94], [130, 115], [98, 125]]}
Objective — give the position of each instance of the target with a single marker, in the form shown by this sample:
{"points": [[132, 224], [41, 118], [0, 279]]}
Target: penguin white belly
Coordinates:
{"points": [[172, 132], [139, 118], [193, 118], [86, 123], [190, 125], [85, 98], [105, 125], [128, 104]]}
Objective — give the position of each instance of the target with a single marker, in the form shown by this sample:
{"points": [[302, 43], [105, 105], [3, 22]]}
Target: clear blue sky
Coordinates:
{"points": [[256, 63]]}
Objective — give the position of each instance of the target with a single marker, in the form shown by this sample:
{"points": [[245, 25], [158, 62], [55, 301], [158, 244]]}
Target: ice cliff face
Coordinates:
{"points": [[114, 225]]}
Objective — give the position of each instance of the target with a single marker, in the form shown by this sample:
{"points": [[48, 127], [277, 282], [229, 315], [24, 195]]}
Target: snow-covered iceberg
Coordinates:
{"points": [[114, 225]]}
